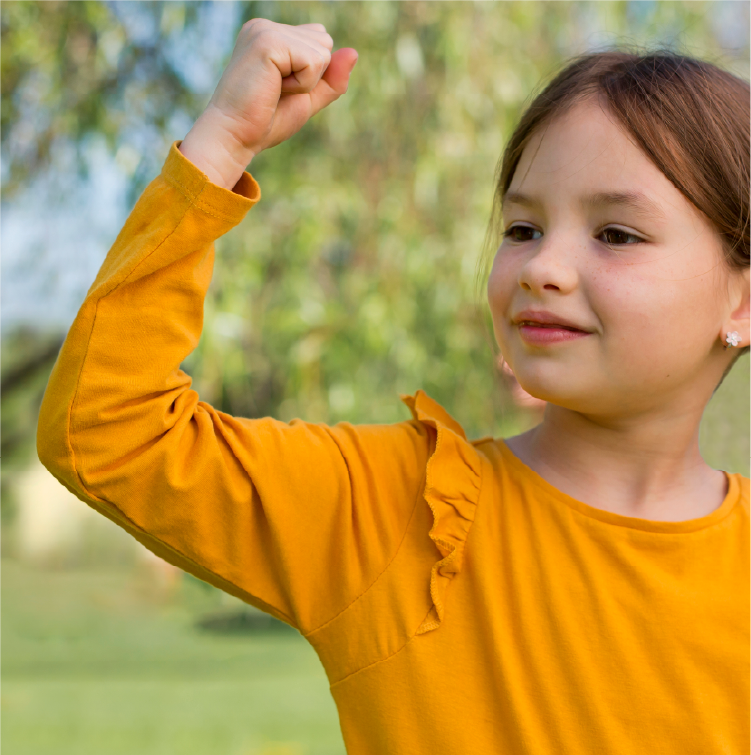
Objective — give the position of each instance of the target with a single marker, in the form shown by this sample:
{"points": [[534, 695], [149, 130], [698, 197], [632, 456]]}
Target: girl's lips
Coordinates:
{"points": [[540, 335]]}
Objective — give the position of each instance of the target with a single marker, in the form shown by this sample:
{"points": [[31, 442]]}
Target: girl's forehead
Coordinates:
{"points": [[585, 146]]}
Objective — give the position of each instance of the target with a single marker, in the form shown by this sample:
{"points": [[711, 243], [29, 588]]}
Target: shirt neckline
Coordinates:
{"points": [[619, 520]]}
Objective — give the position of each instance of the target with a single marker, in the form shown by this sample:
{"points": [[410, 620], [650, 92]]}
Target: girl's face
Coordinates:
{"points": [[599, 240]]}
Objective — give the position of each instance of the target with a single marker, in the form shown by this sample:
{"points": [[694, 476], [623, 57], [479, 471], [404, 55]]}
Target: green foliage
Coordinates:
{"points": [[70, 70]]}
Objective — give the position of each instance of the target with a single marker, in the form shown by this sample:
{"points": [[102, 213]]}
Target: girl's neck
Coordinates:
{"points": [[646, 467]]}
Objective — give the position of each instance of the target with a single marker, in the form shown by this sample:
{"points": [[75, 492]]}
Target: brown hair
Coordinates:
{"points": [[690, 117]]}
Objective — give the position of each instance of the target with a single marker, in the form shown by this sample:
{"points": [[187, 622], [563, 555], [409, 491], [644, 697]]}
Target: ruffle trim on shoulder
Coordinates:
{"points": [[452, 490]]}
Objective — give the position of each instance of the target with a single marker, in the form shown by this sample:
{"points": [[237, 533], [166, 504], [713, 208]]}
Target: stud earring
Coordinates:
{"points": [[732, 339]]}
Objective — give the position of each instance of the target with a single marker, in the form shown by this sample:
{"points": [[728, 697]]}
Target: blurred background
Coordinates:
{"points": [[353, 280]]}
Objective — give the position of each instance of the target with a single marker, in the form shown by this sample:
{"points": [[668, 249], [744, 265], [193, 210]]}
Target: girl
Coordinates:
{"points": [[581, 588]]}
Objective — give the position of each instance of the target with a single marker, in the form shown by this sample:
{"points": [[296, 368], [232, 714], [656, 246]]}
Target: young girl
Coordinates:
{"points": [[581, 588]]}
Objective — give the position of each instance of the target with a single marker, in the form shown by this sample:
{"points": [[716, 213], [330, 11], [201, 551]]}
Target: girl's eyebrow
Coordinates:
{"points": [[635, 201]]}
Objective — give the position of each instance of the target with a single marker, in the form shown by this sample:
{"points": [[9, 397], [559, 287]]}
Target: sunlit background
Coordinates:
{"points": [[353, 280]]}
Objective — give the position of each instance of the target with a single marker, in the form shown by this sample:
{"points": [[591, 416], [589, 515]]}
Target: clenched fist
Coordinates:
{"points": [[278, 77]]}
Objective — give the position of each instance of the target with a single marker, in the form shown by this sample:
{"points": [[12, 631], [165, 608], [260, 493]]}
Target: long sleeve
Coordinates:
{"points": [[297, 519]]}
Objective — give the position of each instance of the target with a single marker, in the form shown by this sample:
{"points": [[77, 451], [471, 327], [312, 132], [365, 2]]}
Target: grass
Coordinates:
{"points": [[94, 662]]}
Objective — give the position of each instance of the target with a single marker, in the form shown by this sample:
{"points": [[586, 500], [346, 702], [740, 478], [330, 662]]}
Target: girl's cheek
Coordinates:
{"points": [[501, 285], [628, 306]]}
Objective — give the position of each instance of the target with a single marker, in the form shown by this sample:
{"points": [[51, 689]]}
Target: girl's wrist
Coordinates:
{"points": [[215, 153]]}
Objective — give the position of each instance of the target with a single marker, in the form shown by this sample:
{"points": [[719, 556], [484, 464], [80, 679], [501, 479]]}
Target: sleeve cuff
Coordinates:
{"points": [[195, 185]]}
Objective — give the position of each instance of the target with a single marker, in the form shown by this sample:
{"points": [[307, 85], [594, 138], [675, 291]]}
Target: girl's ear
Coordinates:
{"points": [[738, 321]]}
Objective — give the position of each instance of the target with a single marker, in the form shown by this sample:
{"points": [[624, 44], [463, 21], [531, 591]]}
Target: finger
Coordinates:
{"points": [[314, 36], [314, 31], [296, 109], [316, 27], [335, 80], [306, 64]]}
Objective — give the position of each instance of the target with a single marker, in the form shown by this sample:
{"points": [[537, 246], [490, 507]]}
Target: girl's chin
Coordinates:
{"points": [[557, 390]]}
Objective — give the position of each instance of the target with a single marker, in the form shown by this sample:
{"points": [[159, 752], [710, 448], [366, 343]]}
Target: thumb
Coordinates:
{"points": [[336, 76]]}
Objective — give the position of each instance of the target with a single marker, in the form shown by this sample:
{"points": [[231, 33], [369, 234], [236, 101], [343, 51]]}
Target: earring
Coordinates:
{"points": [[732, 339]]}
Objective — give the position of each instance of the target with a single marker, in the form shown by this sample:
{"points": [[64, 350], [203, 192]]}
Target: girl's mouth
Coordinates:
{"points": [[541, 334]]}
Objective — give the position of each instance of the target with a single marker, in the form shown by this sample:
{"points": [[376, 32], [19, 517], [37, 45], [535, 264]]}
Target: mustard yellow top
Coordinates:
{"points": [[458, 602]]}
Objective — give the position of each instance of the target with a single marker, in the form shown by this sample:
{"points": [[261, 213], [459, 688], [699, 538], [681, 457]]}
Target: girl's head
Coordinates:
{"points": [[624, 197]]}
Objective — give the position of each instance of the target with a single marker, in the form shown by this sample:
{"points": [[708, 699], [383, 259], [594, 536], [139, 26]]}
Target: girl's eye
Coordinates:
{"points": [[616, 237], [511, 232]]}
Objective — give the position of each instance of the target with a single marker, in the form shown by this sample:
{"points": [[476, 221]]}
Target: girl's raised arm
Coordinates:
{"points": [[297, 519]]}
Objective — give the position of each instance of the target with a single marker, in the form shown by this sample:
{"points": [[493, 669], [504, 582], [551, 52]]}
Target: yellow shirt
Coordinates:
{"points": [[458, 602]]}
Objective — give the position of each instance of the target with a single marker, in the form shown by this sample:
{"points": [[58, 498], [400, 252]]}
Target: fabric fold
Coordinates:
{"points": [[452, 490]]}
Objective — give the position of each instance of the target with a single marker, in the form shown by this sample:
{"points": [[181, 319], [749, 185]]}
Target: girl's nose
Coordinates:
{"points": [[549, 268]]}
